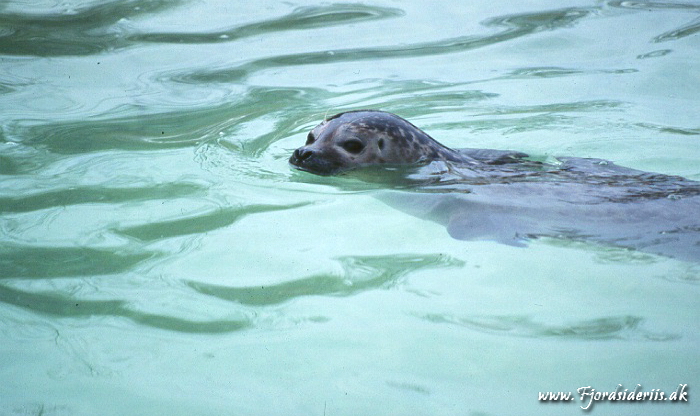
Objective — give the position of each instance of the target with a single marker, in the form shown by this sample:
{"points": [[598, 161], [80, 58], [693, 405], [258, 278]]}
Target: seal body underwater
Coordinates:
{"points": [[504, 196]]}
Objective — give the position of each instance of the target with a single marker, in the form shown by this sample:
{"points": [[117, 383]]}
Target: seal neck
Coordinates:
{"points": [[450, 155]]}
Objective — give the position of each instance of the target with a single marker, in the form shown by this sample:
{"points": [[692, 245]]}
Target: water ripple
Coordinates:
{"points": [[359, 274], [651, 5], [198, 224], [84, 31], [58, 305], [680, 32], [670, 129], [516, 26], [95, 194], [654, 54], [32, 262], [137, 132], [608, 328], [302, 18], [675, 34], [552, 72], [92, 30]]}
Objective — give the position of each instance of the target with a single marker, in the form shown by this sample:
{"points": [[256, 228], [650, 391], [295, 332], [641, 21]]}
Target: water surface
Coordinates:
{"points": [[159, 256]]}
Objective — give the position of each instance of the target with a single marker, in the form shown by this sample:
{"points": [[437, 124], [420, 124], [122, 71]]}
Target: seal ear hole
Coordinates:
{"points": [[310, 138], [380, 143], [354, 146]]}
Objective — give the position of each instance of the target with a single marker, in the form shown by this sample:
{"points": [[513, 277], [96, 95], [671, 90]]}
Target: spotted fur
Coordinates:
{"points": [[364, 138]]}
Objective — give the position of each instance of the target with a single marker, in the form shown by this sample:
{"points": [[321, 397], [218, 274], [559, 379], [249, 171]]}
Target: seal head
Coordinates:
{"points": [[353, 139]]}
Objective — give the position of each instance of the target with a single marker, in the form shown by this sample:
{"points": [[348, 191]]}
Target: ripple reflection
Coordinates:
{"points": [[198, 224], [359, 274], [516, 25], [67, 307], [302, 18], [608, 328], [83, 31]]}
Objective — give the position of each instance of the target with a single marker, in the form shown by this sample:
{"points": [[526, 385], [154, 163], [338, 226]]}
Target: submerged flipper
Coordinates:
{"points": [[484, 224]]}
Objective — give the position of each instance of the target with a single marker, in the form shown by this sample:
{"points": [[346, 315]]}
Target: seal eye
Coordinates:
{"points": [[354, 146], [310, 138]]}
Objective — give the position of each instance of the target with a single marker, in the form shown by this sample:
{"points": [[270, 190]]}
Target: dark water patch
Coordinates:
{"points": [[84, 31], [554, 72], [169, 130], [651, 5], [540, 21], [670, 129], [409, 387], [6, 89], [185, 325], [8, 166], [609, 328], [19, 159], [198, 224], [689, 274], [680, 32], [63, 306], [302, 18], [93, 29], [95, 194], [359, 274], [516, 26], [544, 72], [47, 262], [655, 54], [565, 107]]}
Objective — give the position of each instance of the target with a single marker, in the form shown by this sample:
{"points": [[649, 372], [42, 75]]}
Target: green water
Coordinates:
{"points": [[158, 256]]}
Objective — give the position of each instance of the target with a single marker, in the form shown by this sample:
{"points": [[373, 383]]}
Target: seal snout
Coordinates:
{"points": [[304, 159], [308, 160]]}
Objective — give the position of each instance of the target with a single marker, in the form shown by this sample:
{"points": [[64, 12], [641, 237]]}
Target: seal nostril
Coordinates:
{"points": [[302, 154]]}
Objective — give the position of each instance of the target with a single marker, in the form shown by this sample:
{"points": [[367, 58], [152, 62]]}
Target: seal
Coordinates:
{"points": [[504, 196], [354, 139]]}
